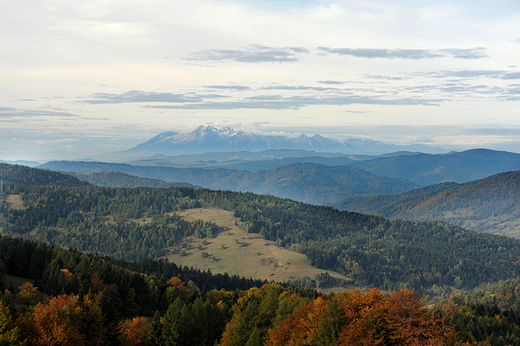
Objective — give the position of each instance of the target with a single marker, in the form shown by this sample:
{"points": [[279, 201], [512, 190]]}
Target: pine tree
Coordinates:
{"points": [[173, 324], [10, 334], [155, 338]]}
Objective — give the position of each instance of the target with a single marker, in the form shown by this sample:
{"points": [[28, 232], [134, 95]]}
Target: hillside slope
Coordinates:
{"points": [[489, 205], [311, 183], [118, 179]]}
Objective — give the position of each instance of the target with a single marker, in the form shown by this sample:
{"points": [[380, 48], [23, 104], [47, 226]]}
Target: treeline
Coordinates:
{"points": [[491, 315], [106, 220], [118, 179], [26, 175]]}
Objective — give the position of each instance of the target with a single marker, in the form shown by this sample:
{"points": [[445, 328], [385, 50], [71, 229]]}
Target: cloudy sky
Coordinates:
{"points": [[79, 78]]}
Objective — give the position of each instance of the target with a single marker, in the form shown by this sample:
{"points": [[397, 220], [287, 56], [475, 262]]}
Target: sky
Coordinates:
{"points": [[80, 78]]}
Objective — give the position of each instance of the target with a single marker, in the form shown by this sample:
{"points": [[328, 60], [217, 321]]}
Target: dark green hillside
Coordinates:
{"points": [[140, 222], [32, 176], [118, 179], [312, 183], [374, 250], [374, 204], [427, 169], [487, 205], [130, 223]]}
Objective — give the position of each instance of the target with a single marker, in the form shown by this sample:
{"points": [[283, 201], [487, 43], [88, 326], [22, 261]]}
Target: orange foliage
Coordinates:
{"points": [[135, 331], [177, 288], [55, 322], [98, 285], [357, 318], [67, 273]]}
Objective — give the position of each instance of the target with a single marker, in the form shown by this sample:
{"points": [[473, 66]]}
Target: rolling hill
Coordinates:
{"points": [[143, 222], [312, 183], [427, 169], [118, 179], [488, 205]]}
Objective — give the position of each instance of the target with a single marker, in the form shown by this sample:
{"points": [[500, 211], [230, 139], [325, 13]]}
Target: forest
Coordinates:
{"points": [[307, 182], [490, 204], [97, 275], [134, 223], [74, 298]]}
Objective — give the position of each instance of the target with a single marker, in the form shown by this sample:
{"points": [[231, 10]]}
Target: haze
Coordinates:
{"points": [[90, 77]]}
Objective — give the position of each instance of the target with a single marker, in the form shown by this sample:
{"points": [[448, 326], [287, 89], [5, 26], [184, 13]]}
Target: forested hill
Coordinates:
{"points": [[427, 169], [311, 183], [490, 205], [375, 204], [141, 222], [27, 175], [118, 179]]}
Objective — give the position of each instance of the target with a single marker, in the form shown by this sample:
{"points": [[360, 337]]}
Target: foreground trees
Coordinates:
{"points": [[357, 318]]}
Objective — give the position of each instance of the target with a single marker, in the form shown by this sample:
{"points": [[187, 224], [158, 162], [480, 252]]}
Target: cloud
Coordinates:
{"points": [[472, 53], [514, 75], [459, 89], [500, 74], [136, 96], [383, 77], [331, 82], [252, 54], [295, 102], [465, 74], [415, 54], [229, 87], [9, 113], [298, 88]]}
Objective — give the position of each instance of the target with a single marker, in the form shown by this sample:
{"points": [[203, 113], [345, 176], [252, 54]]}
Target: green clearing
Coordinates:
{"points": [[14, 202], [234, 251]]}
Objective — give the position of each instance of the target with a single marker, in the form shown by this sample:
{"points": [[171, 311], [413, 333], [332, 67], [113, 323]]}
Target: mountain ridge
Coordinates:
{"points": [[488, 205], [312, 183], [212, 139]]}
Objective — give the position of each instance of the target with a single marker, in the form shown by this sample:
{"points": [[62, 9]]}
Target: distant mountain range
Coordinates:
{"points": [[489, 205], [118, 179], [428, 169], [211, 139], [312, 183], [322, 180], [422, 169]]}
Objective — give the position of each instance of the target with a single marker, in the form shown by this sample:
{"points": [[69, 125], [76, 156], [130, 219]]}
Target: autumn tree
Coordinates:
{"points": [[56, 322], [358, 318], [135, 331]]}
